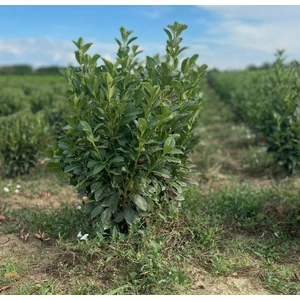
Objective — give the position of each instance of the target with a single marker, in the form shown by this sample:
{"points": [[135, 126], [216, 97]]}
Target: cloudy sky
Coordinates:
{"points": [[226, 37]]}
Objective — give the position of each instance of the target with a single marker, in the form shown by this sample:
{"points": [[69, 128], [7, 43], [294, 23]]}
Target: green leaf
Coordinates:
{"points": [[71, 122], [131, 40], [96, 186], [93, 163], [173, 160], [167, 149], [117, 159], [86, 127], [99, 194], [139, 201], [107, 79], [98, 168], [155, 246], [78, 57], [202, 68], [177, 187], [150, 62], [130, 215], [181, 28], [123, 34], [169, 144], [170, 141], [96, 211], [179, 198], [168, 33], [119, 217], [185, 65], [105, 216], [119, 43], [86, 47], [72, 167], [162, 174], [94, 59], [176, 151], [191, 181], [114, 201], [63, 145], [109, 66], [142, 123], [194, 58]]}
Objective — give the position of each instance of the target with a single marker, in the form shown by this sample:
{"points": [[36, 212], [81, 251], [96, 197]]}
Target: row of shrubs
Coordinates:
{"points": [[32, 114], [269, 102]]}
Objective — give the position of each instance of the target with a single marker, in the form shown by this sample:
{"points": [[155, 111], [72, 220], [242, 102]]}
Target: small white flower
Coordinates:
{"points": [[84, 238], [276, 234], [17, 191], [79, 235], [6, 189], [78, 207], [18, 186]]}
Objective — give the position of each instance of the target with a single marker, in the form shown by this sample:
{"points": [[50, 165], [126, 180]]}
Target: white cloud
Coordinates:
{"points": [[45, 51], [272, 13], [155, 12], [107, 57], [152, 14], [243, 35]]}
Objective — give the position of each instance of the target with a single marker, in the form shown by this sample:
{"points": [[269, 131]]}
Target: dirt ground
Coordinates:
{"points": [[46, 261]]}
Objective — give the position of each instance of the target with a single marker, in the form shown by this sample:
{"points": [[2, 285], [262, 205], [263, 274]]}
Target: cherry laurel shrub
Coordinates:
{"points": [[268, 101], [24, 137], [127, 145], [279, 120]]}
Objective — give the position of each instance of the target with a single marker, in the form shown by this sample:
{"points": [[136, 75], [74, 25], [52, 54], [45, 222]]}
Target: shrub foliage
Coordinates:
{"points": [[127, 145], [23, 138], [32, 115], [268, 101]]}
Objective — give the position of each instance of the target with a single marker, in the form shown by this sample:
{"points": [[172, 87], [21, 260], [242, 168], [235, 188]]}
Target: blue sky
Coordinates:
{"points": [[225, 37]]}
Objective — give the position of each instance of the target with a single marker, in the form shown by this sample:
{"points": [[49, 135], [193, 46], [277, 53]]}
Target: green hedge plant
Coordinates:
{"points": [[23, 138], [127, 145], [268, 102], [279, 120], [11, 100]]}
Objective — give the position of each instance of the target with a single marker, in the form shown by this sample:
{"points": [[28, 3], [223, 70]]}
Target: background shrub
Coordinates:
{"points": [[12, 100], [23, 138], [269, 102]]}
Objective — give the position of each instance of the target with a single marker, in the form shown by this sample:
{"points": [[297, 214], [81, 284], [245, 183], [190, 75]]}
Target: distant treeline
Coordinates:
{"points": [[55, 70], [27, 69], [252, 67]]}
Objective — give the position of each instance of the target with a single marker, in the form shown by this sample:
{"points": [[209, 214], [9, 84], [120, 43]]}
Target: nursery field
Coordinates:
{"points": [[237, 232], [154, 177]]}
